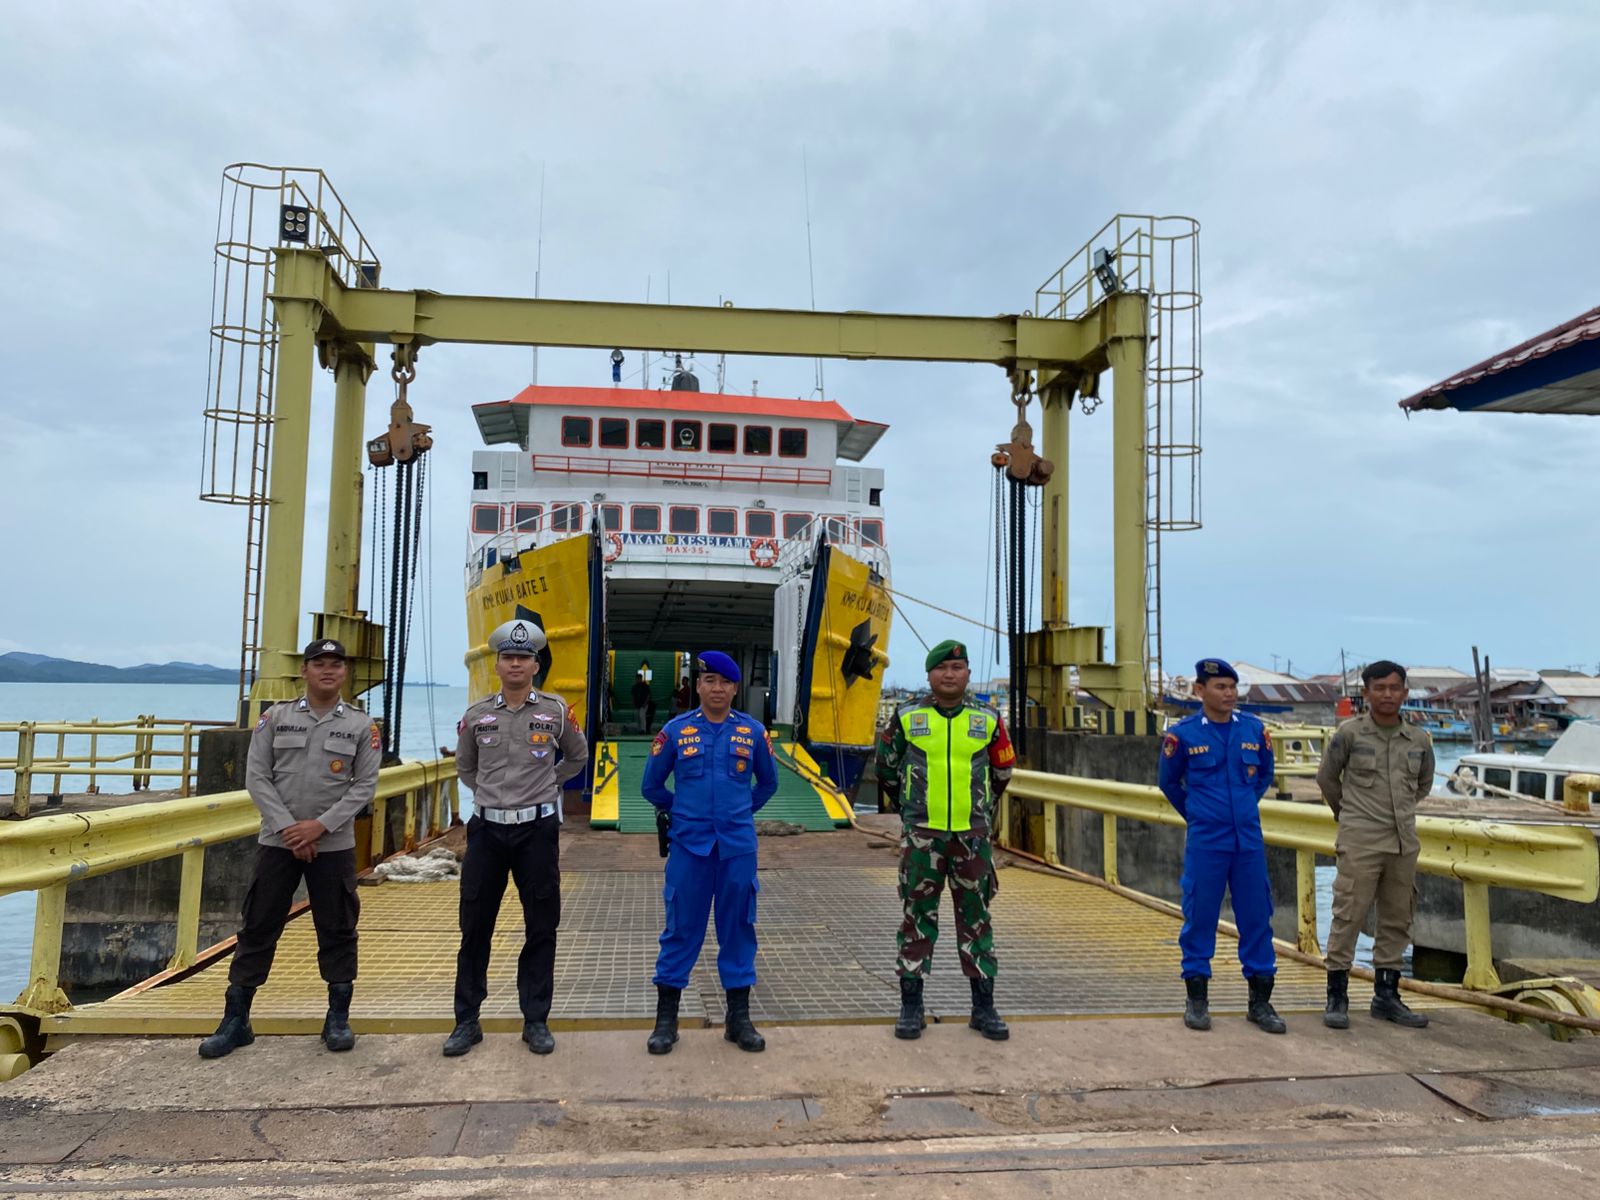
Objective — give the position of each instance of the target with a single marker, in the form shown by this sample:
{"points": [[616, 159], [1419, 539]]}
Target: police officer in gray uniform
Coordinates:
{"points": [[313, 765], [514, 750]]}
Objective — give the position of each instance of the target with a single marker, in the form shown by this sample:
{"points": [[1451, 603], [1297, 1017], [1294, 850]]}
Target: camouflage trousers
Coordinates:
{"points": [[926, 861]]}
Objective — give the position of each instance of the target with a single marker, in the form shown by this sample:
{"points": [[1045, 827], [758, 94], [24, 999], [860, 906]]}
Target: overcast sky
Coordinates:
{"points": [[1388, 192]]}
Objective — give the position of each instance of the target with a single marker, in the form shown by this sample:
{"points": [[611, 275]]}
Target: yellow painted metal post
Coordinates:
{"points": [[279, 674], [1108, 847], [188, 758], [1055, 403], [341, 585], [1305, 878], [380, 824], [94, 758], [1052, 850], [43, 993], [22, 796], [188, 927], [1128, 483], [61, 753], [1481, 974], [411, 822]]}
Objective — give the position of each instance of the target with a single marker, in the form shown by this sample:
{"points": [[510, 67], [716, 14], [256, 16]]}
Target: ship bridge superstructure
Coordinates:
{"points": [[702, 500]]}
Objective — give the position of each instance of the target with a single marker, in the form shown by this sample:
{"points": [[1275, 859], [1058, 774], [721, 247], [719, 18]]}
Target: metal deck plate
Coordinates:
{"points": [[827, 954]]}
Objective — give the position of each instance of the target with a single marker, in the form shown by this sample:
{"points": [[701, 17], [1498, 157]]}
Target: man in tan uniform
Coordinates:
{"points": [[1374, 771], [515, 750], [313, 766]]}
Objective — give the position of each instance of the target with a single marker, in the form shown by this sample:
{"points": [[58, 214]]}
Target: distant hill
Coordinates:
{"points": [[21, 667]]}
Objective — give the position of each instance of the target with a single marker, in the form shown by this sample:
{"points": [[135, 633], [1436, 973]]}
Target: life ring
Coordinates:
{"points": [[764, 552], [613, 547]]}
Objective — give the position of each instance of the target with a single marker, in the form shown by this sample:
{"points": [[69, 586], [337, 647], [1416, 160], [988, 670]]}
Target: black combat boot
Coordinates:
{"points": [[463, 1037], [984, 1018], [1337, 1014], [1386, 1002], [739, 1030], [538, 1036], [665, 1035], [909, 1025], [235, 1029], [336, 1032], [1261, 1013], [1197, 1009]]}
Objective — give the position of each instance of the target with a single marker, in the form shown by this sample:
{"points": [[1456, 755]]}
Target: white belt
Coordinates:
{"points": [[517, 816]]}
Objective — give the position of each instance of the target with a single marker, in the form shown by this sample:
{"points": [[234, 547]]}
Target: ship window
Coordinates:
{"points": [[758, 439], [526, 516], [1499, 777], [577, 431], [871, 532], [566, 518], [875, 496], [1558, 787], [650, 434], [759, 523], [794, 524], [480, 481], [686, 435], [683, 519], [611, 516], [646, 518], [791, 443], [1532, 783], [838, 529], [722, 520], [722, 439], [485, 518], [614, 433]]}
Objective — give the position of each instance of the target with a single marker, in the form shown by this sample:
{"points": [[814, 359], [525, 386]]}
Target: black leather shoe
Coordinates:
{"points": [[1386, 1002], [464, 1037], [538, 1036], [1197, 1008], [739, 1030], [909, 1025], [1337, 1013], [665, 1035], [1261, 1013], [984, 1017], [234, 1031], [336, 1032]]}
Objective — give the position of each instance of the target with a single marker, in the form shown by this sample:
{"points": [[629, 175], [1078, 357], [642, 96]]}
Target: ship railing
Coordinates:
{"points": [[46, 854], [656, 468], [1557, 860], [81, 751], [796, 551]]}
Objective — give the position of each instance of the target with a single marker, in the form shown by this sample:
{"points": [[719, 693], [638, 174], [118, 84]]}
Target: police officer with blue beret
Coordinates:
{"points": [[722, 764], [1215, 767]]}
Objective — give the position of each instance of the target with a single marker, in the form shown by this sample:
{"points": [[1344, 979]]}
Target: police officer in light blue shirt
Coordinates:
{"points": [[1215, 767], [724, 772]]}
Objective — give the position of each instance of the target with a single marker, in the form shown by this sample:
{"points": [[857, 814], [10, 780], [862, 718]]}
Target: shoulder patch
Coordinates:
{"points": [[660, 743], [265, 717], [572, 716], [377, 737], [1169, 745], [1266, 737]]}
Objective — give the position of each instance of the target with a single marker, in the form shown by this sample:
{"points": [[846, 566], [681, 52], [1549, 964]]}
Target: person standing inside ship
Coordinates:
{"points": [[943, 764], [640, 696], [312, 766], [1215, 767], [722, 765], [1375, 770], [515, 750]]}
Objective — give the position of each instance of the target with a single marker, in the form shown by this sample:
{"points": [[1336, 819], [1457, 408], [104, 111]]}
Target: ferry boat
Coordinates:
{"points": [[1442, 724], [638, 527]]}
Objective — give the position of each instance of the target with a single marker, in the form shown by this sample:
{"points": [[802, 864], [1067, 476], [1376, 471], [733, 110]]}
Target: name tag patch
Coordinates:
{"points": [[977, 725]]}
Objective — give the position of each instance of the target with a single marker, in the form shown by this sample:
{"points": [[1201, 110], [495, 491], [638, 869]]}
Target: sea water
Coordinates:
{"points": [[428, 721]]}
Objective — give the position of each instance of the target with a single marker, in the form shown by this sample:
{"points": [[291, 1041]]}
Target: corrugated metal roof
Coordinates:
{"points": [[1575, 387]]}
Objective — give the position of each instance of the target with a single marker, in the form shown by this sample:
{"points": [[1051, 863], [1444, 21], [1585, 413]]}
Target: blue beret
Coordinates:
{"points": [[1215, 668], [719, 663]]}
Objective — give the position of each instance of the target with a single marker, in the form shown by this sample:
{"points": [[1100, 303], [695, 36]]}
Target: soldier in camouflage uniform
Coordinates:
{"points": [[942, 765]]}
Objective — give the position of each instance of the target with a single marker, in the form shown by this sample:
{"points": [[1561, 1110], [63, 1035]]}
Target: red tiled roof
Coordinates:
{"points": [[1580, 329]]}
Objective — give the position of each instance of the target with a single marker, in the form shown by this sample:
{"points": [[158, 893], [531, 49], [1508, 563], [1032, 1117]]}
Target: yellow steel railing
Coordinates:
{"points": [[1558, 860], [47, 853], [78, 752]]}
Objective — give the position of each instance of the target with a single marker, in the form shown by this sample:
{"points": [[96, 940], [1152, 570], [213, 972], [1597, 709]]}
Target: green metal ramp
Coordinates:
{"points": [[796, 800]]}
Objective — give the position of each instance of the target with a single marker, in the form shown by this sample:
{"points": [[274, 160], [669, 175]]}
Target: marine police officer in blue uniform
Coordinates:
{"points": [[1215, 767], [722, 764]]}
